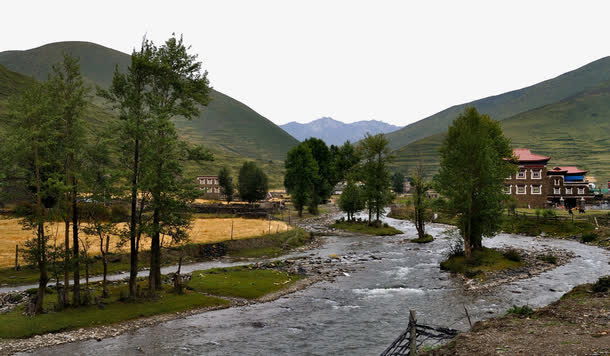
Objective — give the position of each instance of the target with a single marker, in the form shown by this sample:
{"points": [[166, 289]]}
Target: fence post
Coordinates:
{"points": [[231, 229], [413, 334], [17, 257]]}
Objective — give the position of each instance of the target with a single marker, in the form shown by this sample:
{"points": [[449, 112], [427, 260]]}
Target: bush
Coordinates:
{"points": [[521, 311], [512, 255], [588, 237], [602, 285], [549, 213], [550, 258]]}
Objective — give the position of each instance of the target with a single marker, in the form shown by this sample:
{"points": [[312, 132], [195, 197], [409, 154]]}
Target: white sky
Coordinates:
{"points": [[395, 61]]}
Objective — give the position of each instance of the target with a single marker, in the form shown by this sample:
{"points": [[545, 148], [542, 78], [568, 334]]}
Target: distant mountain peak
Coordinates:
{"points": [[335, 132]]}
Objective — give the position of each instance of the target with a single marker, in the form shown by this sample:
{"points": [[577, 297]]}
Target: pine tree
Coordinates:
{"points": [[300, 177]]}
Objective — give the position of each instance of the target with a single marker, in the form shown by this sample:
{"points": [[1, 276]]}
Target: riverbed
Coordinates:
{"points": [[361, 312]]}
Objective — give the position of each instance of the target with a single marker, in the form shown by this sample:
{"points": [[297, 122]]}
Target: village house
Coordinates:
{"points": [[210, 185], [536, 186]]}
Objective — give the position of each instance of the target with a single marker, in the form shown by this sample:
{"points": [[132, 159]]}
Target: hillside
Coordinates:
{"points": [[231, 130], [335, 132], [506, 105], [11, 83], [573, 131]]}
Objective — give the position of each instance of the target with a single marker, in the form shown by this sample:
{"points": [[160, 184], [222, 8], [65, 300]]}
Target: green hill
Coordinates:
{"points": [[573, 131], [506, 105], [231, 130]]}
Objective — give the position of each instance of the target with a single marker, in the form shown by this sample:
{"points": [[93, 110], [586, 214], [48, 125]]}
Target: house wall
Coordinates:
{"points": [[530, 190]]}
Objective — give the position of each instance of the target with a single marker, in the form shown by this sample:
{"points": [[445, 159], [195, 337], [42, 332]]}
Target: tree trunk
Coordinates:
{"points": [[66, 290], [75, 248], [154, 277], [105, 263], [42, 266], [133, 256]]}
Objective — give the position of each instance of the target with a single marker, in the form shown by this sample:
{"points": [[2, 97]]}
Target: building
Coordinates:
{"points": [[536, 186], [210, 185]]}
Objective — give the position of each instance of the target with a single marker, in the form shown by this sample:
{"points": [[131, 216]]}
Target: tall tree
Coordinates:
{"points": [[253, 183], [127, 95], [471, 175], [31, 138], [321, 188], [301, 174], [345, 160], [420, 200], [225, 181], [375, 173], [351, 200], [398, 182], [69, 95], [178, 87]]}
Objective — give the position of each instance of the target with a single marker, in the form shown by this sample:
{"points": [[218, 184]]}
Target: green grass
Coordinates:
{"points": [[481, 261], [534, 227], [364, 228], [242, 281], [426, 239], [15, 325]]}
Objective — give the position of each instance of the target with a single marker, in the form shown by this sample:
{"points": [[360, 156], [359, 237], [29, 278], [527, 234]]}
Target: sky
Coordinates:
{"points": [[394, 61]]}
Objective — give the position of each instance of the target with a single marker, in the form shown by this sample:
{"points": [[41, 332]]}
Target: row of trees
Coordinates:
{"points": [[64, 172], [252, 184]]}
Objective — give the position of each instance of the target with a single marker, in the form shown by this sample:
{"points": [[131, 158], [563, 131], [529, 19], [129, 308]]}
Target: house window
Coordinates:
{"points": [[568, 190], [215, 181], [556, 191], [581, 190], [536, 173], [521, 189], [521, 174], [508, 189], [557, 181], [209, 181], [536, 189]]}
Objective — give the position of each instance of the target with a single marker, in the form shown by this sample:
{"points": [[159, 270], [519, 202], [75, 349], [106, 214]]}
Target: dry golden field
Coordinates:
{"points": [[203, 230]]}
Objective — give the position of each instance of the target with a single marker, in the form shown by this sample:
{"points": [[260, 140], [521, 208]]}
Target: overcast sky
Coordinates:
{"points": [[395, 61]]}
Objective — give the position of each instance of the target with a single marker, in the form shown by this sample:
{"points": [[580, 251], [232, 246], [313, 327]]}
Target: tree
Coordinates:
{"points": [[225, 180], [473, 167], [321, 188], [69, 96], [398, 182], [375, 174], [253, 183], [345, 160], [300, 177], [127, 95], [177, 87], [351, 200], [31, 137], [420, 202]]}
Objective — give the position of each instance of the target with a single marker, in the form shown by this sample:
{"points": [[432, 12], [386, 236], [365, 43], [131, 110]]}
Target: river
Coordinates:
{"points": [[361, 312]]}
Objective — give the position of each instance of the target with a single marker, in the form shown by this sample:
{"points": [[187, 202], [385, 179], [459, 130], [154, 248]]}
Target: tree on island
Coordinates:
{"points": [[253, 183], [352, 200], [420, 201], [225, 181], [301, 175], [473, 167], [374, 173]]}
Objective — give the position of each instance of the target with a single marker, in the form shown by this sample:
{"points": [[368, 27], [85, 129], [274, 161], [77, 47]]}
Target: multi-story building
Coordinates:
{"points": [[536, 186], [210, 185]]}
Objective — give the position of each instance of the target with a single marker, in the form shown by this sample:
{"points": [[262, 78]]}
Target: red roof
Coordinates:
{"points": [[573, 170], [525, 155]]}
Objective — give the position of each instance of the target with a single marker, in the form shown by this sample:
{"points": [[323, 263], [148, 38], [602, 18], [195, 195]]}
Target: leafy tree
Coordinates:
{"points": [[253, 183], [375, 173], [225, 180], [69, 95], [351, 200], [301, 174], [177, 87], [345, 160], [31, 137], [420, 201], [398, 182], [321, 188], [471, 176]]}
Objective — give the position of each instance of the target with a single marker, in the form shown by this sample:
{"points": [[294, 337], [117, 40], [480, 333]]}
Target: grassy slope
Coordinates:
{"points": [[572, 131], [509, 104], [233, 132]]}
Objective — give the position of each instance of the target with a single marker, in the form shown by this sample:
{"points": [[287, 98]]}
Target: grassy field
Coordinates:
{"points": [[481, 261], [203, 231], [241, 281]]}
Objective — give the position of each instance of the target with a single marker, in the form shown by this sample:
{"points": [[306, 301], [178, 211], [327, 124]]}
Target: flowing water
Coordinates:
{"points": [[360, 313]]}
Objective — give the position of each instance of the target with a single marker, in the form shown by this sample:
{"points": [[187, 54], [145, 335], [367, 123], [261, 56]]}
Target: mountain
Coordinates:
{"points": [[573, 131], [335, 132], [230, 129], [506, 105]]}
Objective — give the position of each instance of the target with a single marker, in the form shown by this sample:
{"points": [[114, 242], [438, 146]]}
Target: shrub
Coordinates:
{"points": [[588, 237], [550, 258], [602, 285], [521, 311], [512, 255], [427, 238]]}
